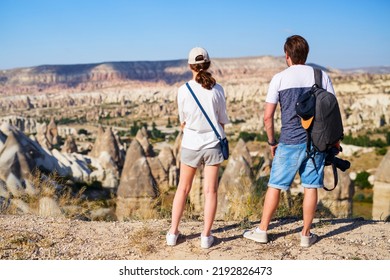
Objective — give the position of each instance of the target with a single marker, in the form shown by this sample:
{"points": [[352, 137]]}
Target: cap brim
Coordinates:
{"points": [[307, 123], [197, 62]]}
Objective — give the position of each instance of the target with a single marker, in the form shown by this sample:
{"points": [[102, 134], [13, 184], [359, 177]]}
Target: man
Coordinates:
{"points": [[290, 153]]}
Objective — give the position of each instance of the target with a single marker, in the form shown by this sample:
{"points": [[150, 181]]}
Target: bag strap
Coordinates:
{"points": [[204, 112], [335, 176]]}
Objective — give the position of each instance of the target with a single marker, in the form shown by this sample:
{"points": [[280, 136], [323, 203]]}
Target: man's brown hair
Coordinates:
{"points": [[297, 48]]}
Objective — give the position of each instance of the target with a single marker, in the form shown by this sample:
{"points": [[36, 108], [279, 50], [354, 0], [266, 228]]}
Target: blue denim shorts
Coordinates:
{"points": [[290, 159]]}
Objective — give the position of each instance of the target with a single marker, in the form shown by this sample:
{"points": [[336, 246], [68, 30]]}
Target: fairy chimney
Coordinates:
{"points": [[236, 183], [137, 189], [381, 199], [52, 132]]}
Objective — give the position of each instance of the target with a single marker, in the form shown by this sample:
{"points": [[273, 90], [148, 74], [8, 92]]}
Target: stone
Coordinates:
{"points": [[339, 200], [69, 145], [236, 184], [137, 184], [381, 198]]}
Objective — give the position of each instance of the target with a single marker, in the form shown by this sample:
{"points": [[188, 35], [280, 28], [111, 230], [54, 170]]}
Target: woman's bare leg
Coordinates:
{"points": [[187, 174], [211, 197]]}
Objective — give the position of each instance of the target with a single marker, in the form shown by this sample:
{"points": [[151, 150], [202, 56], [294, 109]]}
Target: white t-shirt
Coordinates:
{"points": [[295, 76], [197, 133]]}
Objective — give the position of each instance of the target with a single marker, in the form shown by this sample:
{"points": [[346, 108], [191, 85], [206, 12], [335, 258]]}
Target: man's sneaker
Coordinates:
{"points": [[307, 241], [172, 238], [206, 241], [256, 235]]}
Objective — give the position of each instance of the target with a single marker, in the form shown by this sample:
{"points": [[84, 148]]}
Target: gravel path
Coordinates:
{"points": [[32, 237]]}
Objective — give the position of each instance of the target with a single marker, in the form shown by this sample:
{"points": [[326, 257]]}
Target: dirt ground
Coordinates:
{"points": [[31, 237]]}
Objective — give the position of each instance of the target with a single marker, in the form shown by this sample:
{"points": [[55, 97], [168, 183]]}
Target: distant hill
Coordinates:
{"points": [[370, 70], [90, 77], [97, 75]]}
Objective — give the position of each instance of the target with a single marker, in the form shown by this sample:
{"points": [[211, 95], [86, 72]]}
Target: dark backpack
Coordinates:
{"points": [[321, 118]]}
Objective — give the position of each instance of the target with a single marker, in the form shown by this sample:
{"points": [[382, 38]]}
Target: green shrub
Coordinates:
{"points": [[361, 180], [247, 136], [363, 141], [83, 131], [381, 151], [362, 198]]}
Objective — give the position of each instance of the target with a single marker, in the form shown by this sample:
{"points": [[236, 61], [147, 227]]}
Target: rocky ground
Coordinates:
{"points": [[33, 237]]}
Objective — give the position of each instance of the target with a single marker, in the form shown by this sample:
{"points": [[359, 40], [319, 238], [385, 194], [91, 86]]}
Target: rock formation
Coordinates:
{"points": [[164, 169], [17, 161], [236, 184], [69, 145], [98, 145], [176, 148], [196, 195], [42, 136], [339, 200], [26, 125], [107, 150], [52, 132], [381, 200], [137, 188], [168, 161], [143, 138]]}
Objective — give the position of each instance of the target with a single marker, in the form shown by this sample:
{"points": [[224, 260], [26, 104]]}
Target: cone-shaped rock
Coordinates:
{"points": [[166, 157], [136, 179], [17, 160], [42, 136], [107, 150], [381, 200], [339, 200], [137, 188], [236, 184], [142, 137], [52, 132], [97, 146], [69, 145]]}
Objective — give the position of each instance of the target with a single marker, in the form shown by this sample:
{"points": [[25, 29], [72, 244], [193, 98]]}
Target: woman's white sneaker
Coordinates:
{"points": [[172, 238], [206, 241]]}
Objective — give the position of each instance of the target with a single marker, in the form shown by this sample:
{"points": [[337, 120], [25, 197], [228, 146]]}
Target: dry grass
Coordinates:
{"points": [[55, 187], [142, 241], [22, 245]]}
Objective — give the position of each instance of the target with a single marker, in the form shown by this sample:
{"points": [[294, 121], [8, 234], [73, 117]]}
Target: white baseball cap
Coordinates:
{"points": [[198, 55]]}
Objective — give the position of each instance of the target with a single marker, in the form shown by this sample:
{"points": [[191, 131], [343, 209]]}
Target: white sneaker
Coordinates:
{"points": [[172, 238], [256, 235], [307, 241], [206, 241]]}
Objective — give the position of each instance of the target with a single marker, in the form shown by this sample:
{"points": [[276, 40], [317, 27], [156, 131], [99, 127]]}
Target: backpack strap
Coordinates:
{"points": [[318, 77], [310, 152]]}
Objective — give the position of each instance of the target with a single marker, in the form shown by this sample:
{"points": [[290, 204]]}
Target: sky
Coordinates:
{"points": [[341, 33]]}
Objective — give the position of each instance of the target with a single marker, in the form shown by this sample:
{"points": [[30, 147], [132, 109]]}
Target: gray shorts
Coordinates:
{"points": [[211, 156]]}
